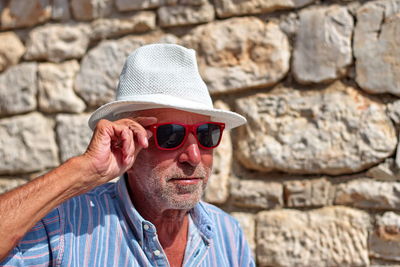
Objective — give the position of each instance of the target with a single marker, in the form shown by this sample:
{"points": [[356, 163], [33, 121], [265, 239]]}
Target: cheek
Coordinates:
{"points": [[207, 159]]}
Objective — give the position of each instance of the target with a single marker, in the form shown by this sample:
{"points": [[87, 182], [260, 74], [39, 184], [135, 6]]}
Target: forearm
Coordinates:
{"points": [[22, 208]]}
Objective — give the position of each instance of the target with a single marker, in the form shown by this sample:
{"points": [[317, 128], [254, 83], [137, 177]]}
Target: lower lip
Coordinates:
{"points": [[185, 181]]}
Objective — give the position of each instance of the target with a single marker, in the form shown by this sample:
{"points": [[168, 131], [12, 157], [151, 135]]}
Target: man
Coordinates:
{"points": [[158, 136]]}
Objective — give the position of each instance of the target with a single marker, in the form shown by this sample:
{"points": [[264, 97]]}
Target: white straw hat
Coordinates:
{"points": [[163, 76]]}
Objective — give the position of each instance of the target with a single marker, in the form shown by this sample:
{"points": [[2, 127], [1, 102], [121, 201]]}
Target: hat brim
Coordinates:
{"points": [[144, 102]]}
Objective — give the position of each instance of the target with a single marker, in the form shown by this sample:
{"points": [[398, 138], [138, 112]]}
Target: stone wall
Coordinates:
{"points": [[314, 175]]}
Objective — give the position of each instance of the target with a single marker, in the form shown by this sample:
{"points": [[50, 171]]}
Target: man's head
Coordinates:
{"points": [[174, 179], [162, 81]]}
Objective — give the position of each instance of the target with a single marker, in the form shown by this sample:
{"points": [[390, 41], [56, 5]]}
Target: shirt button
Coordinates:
{"points": [[146, 227], [157, 253]]}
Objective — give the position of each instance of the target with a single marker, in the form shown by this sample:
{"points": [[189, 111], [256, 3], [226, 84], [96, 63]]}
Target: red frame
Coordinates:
{"points": [[189, 128]]}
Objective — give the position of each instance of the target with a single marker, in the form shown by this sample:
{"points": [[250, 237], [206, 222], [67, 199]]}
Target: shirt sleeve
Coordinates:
{"points": [[40, 246]]}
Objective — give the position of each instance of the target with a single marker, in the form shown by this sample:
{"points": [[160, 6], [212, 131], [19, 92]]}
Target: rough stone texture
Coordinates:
{"points": [[386, 171], [290, 24], [18, 89], [376, 45], [185, 15], [124, 24], [6, 184], [332, 131], [218, 184], [25, 13], [89, 9], [126, 5], [100, 68], [393, 110], [57, 42], [193, 2], [323, 44], [308, 193], [11, 49], [73, 134], [27, 144], [369, 194], [384, 242], [60, 10], [56, 92], [228, 8], [248, 224], [331, 236], [375, 262], [240, 53], [257, 194]]}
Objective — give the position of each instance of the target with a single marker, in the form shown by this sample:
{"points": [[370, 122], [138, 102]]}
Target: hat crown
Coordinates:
{"points": [[162, 69]]}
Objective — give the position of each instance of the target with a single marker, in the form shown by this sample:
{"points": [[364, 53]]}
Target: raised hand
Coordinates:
{"points": [[115, 145]]}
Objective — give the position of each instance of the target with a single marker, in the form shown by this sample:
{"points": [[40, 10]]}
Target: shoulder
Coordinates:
{"points": [[215, 211], [99, 195], [218, 216]]}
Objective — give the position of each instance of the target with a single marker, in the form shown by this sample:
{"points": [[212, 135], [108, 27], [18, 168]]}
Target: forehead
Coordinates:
{"points": [[173, 115]]}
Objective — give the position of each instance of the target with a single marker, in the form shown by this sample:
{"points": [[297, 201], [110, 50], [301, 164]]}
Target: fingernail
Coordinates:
{"points": [[146, 142]]}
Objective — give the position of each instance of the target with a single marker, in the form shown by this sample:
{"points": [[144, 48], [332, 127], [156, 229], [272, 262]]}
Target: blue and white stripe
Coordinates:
{"points": [[102, 228]]}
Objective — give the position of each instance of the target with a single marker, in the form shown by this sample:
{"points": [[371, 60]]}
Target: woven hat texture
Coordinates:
{"points": [[163, 76]]}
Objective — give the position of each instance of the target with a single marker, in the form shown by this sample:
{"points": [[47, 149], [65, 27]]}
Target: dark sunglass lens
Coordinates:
{"points": [[170, 135], [209, 134]]}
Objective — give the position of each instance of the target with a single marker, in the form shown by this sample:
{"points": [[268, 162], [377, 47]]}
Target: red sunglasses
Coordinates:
{"points": [[172, 135]]}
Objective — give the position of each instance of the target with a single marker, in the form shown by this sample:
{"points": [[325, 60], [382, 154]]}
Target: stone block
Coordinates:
{"points": [[248, 224], [384, 242], [193, 2], [7, 184], [60, 11], [229, 8], [27, 144], [126, 5], [57, 42], [218, 184], [308, 193], [18, 14], [18, 89], [376, 45], [331, 236], [369, 194], [385, 171], [11, 50], [185, 15], [323, 44], [124, 24], [73, 134], [336, 130], [56, 92], [240, 53], [101, 66], [257, 194], [89, 9]]}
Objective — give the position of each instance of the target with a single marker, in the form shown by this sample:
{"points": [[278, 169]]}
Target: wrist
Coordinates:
{"points": [[80, 174]]}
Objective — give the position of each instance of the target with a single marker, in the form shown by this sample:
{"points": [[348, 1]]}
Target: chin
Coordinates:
{"points": [[184, 202]]}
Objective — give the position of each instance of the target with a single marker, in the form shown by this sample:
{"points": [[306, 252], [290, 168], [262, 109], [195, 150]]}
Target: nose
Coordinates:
{"points": [[191, 152]]}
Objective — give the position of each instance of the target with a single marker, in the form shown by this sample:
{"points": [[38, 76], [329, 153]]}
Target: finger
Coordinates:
{"points": [[140, 135], [149, 134], [128, 146], [145, 121]]}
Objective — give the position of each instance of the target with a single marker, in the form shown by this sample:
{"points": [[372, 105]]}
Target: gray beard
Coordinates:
{"points": [[169, 194]]}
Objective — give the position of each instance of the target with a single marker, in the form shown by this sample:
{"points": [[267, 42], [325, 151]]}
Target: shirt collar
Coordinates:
{"points": [[132, 216], [199, 214]]}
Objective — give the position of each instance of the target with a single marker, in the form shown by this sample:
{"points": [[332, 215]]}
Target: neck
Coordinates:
{"points": [[171, 224]]}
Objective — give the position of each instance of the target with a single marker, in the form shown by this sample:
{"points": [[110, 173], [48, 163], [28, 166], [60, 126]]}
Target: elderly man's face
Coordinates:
{"points": [[172, 179]]}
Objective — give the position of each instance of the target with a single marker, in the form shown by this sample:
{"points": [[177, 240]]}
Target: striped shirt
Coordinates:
{"points": [[102, 228]]}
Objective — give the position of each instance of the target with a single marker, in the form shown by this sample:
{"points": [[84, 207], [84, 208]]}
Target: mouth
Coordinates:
{"points": [[186, 180]]}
